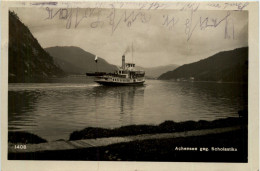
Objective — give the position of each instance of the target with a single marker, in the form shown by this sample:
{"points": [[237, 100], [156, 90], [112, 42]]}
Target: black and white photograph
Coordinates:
{"points": [[128, 81]]}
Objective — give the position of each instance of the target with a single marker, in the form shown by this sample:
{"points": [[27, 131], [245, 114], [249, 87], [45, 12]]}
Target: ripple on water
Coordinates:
{"points": [[53, 110]]}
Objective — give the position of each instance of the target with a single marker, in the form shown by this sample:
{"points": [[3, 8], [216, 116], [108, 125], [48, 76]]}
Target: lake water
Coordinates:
{"points": [[55, 109]]}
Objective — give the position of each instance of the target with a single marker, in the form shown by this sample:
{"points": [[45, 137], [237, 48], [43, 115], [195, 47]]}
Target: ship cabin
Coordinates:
{"points": [[128, 71], [130, 65], [125, 75]]}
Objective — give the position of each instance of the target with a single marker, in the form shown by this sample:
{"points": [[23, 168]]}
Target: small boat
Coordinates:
{"points": [[126, 75]]}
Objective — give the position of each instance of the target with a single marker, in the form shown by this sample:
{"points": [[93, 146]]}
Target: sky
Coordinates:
{"points": [[148, 38]]}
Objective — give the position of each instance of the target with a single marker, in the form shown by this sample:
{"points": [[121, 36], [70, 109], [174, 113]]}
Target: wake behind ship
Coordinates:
{"points": [[127, 74]]}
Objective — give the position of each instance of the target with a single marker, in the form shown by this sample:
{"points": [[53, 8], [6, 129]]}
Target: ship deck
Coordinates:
{"points": [[113, 83]]}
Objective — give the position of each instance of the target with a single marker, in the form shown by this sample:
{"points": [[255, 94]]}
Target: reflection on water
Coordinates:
{"points": [[119, 100], [54, 110]]}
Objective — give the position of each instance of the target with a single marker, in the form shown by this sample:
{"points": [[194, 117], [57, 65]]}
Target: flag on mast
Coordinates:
{"points": [[96, 58]]}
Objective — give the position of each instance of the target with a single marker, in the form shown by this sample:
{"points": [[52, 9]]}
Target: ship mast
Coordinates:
{"points": [[132, 51]]}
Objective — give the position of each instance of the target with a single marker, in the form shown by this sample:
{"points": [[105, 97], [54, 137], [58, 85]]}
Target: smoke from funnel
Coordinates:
{"points": [[127, 50]]}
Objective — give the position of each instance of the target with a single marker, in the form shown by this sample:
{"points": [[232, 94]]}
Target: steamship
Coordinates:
{"points": [[127, 74]]}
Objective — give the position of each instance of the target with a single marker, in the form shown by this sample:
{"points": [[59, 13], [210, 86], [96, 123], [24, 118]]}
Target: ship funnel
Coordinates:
{"points": [[123, 62]]}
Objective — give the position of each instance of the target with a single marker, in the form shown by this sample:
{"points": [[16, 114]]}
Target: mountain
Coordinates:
{"points": [[227, 66], [155, 72], [28, 61], [74, 60]]}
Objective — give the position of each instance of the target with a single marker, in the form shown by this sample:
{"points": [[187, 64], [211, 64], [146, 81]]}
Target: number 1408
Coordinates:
{"points": [[21, 147]]}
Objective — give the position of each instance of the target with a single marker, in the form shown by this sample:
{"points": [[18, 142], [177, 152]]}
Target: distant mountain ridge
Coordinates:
{"points": [[27, 59], [74, 60], [155, 72], [227, 66]]}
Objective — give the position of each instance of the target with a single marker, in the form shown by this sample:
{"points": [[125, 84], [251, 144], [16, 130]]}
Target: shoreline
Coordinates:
{"points": [[131, 130], [222, 140], [165, 127], [188, 81], [212, 145]]}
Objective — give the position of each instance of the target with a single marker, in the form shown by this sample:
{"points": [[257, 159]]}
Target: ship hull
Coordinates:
{"points": [[110, 83]]}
